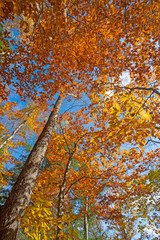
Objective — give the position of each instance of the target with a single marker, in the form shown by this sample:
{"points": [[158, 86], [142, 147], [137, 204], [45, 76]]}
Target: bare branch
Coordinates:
{"points": [[150, 140], [141, 88]]}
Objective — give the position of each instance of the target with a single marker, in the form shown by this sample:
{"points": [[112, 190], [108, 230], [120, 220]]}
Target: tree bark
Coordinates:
{"points": [[20, 194]]}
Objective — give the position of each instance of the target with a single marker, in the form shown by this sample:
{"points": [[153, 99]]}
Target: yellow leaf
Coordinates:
{"points": [[146, 116], [60, 226], [26, 229]]}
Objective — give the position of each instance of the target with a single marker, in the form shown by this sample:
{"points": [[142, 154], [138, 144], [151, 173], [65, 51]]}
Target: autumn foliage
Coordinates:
{"points": [[97, 147]]}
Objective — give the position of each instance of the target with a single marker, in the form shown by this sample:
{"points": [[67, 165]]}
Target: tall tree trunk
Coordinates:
{"points": [[20, 194], [86, 220]]}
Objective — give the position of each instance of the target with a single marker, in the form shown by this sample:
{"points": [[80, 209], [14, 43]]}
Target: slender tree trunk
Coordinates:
{"points": [[12, 134], [20, 194], [61, 195], [86, 220]]}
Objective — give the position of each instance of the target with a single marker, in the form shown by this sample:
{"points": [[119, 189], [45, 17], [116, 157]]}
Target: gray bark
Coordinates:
{"points": [[20, 194]]}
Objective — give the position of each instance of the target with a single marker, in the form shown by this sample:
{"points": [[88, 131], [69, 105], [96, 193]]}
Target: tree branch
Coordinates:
{"points": [[141, 88]]}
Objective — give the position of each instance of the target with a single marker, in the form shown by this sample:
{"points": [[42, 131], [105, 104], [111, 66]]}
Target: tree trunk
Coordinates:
{"points": [[20, 194], [86, 220], [12, 135], [61, 195]]}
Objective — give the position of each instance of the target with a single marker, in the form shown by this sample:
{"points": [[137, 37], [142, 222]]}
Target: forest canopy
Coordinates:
{"points": [[80, 106]]}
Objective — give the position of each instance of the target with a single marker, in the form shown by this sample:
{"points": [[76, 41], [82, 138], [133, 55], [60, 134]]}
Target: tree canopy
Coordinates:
{"points": [[80, 82]]}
